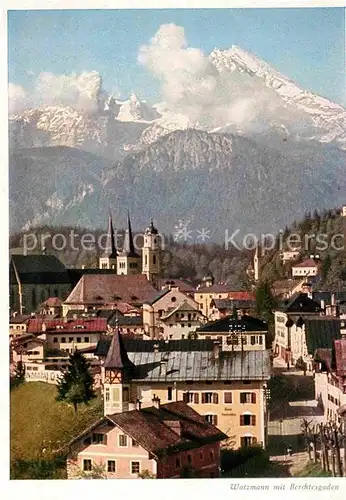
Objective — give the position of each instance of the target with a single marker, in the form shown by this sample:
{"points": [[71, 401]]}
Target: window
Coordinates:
{"points": [[210, 397], [123, 440], [253, 339], [79, 340], [247, 397], [177, 463], [154, 259], [87, 440], [247, 441], [232, 340], [87, 465], [99, 438], [135, 468], [189, 459], [169, 393], [247, 420], [107, 394], [183, 336], [134, 443], [260, 340], [227, 397], [86, 339], [191, 397], [70, 339], [189, 325], [111, 466], [211, 419], [63, 340], [173, 299]]}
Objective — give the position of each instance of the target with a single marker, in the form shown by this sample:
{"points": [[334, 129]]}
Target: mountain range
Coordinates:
{"points": [[255, 159]]}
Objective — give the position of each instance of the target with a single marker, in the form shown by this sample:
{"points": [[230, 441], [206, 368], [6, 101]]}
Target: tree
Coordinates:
{"points": [[265, 302], [76, 384], [19, 375]]}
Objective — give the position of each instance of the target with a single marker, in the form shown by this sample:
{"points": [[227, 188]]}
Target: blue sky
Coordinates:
{"points": [[307, 45]]}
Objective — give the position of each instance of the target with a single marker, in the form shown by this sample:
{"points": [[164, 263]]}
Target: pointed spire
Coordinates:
{"points": [[129, 248], [117, 357], [111, 248], [151, 229]]}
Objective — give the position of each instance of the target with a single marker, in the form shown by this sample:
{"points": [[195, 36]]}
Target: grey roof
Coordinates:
{"points": [[181, 366]]}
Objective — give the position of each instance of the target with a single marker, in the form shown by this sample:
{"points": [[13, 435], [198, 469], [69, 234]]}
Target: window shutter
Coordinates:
{"points": [[253, 418], [253, 397], [241, 419], [196, 398], [215, 398]]}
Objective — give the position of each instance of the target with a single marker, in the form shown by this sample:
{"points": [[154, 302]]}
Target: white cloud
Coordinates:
{"points": [[81, 91], [17, 98], [194, 87]]}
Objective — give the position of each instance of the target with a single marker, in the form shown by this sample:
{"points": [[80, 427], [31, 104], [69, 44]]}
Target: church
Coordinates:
{"points": [[128, 261]]}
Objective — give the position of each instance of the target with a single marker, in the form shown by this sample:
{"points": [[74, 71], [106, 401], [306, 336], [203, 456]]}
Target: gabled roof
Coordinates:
{"points": [[300, 303], [156, 296], [151, 428], [245, 323], [171, 366], [230, 304], [184, 306], [183, 285], [111, 289], [117, 356], [20, 318], [53, 302], [216, 288], [82, 325], [306, 263]]}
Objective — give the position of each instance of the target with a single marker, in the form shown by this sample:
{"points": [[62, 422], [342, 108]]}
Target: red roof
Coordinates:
{"points": [[53, 302], [216, 288], [307, 263], [241, 295], [95, 325]]}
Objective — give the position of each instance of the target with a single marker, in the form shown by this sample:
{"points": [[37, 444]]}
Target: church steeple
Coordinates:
{"points": [[151, 253], [109, 259], [129, 248], [128, 261], [118, 372]]}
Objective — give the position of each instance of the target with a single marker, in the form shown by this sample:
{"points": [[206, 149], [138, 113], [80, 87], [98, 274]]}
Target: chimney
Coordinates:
{"points": [[217, 349], [174, 425], [156, 402], [138, 404]]}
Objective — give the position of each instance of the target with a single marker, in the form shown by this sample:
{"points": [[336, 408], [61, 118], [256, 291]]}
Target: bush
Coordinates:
{"points": [[231, 459]]}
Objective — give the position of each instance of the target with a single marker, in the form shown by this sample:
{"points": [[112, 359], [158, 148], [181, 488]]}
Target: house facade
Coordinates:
{"points": [[166, 304], [227, 388], [308, 267], [204, 296], [162, 441], [245, 333]]}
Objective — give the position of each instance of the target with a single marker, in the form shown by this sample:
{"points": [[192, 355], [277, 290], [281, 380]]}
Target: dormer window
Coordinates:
{"points": [[173, 299]]}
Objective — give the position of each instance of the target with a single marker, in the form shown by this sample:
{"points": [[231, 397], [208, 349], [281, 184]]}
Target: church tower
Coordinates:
{"points": [[109, 259], [128, 261], [151, 253], [117, 373]]}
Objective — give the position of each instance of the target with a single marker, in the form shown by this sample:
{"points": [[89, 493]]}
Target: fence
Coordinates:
{"points": [[48, 376]]}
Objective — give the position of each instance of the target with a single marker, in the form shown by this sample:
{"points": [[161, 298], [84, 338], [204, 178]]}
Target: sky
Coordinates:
{"points": [[46, 47]]}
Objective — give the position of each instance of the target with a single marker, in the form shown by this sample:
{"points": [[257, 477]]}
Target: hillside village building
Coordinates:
{"points": [[205, 295], [288, 342], [227, 388], [245, 333], [308, 267], [163, 441], [171, 314]]}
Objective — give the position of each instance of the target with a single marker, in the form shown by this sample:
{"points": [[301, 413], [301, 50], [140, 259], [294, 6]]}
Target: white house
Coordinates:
{"points": [[308, 267]]}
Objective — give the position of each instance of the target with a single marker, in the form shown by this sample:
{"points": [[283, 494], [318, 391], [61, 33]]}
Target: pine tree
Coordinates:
{"points": [[76, 384], [265, 302]]}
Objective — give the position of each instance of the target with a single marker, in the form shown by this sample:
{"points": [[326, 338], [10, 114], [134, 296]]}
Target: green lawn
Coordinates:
{"points": [[38, 422], [313, 470]]}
